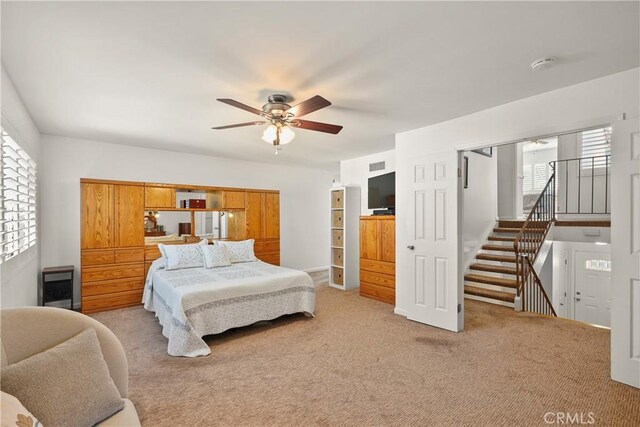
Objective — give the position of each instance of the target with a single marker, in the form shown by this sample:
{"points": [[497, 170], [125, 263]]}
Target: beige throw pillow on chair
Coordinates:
{"points": [[68, 385]]}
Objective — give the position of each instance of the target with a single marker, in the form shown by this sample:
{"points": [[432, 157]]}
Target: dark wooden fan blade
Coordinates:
{"points": [[319, 127], [240, 105], [309, 106], [239, 125]]}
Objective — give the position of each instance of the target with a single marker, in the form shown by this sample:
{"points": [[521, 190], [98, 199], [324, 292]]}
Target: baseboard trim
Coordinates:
{"points": [[400, 311], [316, 269]]}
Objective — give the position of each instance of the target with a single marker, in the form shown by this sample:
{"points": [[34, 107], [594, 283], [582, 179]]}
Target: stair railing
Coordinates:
{"points": [[534, 298], [528, 242]]}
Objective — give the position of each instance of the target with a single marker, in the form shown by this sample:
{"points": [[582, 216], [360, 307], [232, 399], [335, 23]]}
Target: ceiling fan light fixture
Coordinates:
{"points": [[270, 134], [286, 135]]}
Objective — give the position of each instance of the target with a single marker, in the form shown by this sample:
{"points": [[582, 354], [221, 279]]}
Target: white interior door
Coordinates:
{"points": [[433, 247], [592, 294], [625, 248]]}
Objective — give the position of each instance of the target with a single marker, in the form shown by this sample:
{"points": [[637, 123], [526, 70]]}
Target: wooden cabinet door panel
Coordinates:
{"points": [[271, 215], [369, 239], [97, 204], [159, 197], [387, 240], [253, 215], [233, 199], [129, 213]]}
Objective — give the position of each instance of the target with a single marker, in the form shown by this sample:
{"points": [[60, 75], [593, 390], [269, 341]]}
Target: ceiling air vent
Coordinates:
{"points": [[379, 166]]}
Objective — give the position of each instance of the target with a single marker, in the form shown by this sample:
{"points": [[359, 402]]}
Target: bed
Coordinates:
{"points": [[193, 302]]}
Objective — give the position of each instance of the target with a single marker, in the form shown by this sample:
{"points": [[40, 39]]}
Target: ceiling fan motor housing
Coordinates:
{"points": [[276, 105]]}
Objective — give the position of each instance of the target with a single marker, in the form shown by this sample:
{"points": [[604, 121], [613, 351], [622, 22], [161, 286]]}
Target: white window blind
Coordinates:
{"points": [[595, 143], [17, 199], [540, 176]]}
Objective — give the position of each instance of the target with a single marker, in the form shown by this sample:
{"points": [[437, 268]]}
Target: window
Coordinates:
{"points": [[535, 177], [598, 265], [527, 183], [595, 143], [17, 199]]}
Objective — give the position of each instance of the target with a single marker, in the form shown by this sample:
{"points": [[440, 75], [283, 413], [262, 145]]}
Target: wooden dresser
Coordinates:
{"points": [[111, 244], [114, 257], [377, 257]]}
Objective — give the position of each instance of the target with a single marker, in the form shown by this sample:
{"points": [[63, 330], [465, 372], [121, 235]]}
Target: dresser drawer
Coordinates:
{"points": [[92, 304], [97, 257], [111, 286], [261, 246], [380, 293], [94, 274], [269, 258], [378, 266], [129, 255], [151, 253], [378, 279]]}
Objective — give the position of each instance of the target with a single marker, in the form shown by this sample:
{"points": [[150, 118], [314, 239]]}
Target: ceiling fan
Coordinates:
{"points": [[282, 117]]}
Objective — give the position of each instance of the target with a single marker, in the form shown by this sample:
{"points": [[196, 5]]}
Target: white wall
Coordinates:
{"points": [[480, 203], [19, 275], [566, 109], [355, 172], [304, 193], [509, 159]]}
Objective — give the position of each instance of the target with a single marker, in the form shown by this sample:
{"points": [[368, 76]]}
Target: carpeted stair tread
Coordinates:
{"points": [[493, 268], [489, 280], [495, 257], [487, 293]]}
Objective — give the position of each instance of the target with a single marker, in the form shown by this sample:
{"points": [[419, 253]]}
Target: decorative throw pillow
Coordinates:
{"points": [[239, 251], [215, 256], [67, 385], [183, 256], [13, 414]]}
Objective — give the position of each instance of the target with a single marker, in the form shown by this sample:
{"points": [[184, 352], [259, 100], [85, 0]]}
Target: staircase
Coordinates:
{"points": [[492, 277]]}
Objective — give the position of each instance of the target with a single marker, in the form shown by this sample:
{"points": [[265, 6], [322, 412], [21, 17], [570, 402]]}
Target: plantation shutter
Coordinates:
{"points": [[595, 143], [17, 199]]}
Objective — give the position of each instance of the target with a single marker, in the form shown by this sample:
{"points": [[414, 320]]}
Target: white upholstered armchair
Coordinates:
{"points": [[26, 331]]}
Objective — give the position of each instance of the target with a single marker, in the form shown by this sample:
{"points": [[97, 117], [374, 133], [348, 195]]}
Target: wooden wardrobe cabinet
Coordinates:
{"points": [[262, 213], [159, 197], [377, 258], [112, 244]]}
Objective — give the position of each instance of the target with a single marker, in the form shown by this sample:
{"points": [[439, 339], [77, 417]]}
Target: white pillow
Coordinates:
{"points": [[239, 251], [215, 256], [13, 412], [183, 256]]}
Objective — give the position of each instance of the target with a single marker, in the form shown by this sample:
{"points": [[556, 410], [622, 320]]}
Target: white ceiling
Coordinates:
{"points": [[148, 74]]}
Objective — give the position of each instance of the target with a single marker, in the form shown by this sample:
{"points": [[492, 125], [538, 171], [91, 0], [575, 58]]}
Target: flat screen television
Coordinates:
{"points": [[382, 191]]}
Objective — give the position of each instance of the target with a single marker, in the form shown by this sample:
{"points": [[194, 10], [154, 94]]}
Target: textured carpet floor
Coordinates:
{"points": [[356, 363]]}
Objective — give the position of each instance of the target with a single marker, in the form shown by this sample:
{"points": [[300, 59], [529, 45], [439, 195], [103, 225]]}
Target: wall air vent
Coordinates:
{"points": [[379, 166]]}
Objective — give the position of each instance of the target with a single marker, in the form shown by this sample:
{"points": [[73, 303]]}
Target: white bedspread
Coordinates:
{"points": [[193, 302]]}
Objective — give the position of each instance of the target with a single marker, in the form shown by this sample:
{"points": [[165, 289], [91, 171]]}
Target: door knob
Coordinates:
{"points": [[411, 247], [577, 299]]}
